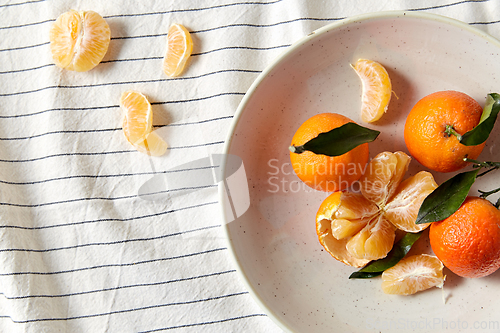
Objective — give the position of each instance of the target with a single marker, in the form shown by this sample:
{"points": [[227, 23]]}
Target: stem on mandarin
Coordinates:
{"points": [[451, 131]]}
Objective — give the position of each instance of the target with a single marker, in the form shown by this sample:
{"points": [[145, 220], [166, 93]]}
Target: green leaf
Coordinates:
{"points": [[481, 132], [377, 267], [338, 141], [446, 198]]}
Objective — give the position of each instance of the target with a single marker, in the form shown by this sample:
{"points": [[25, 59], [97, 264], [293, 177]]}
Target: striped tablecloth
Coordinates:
{"points": [[79, 250]]}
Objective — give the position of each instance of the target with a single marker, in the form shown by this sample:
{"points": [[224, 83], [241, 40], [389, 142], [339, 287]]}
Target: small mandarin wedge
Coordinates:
{"points": [[138, 124], [376, 89], [413, 274], [179, 49]]}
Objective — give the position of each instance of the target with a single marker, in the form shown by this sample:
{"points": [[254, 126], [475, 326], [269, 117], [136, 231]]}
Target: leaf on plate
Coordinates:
{"points": [[337, 141], [480, 133], [446, 198], [377, 267]]}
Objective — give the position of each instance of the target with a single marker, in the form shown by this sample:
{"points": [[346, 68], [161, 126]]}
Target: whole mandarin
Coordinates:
{"points": [[427, 130], [468, 242]]}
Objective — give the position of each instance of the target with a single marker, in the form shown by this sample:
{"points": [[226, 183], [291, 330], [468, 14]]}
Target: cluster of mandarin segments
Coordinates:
{"points": [[356, 228], [138, 124], [321, 172], [79, 40]]}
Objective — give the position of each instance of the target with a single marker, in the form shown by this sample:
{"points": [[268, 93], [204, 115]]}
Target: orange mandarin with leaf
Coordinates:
{"points": [[322, 172], [432, 127], [468, 241]]}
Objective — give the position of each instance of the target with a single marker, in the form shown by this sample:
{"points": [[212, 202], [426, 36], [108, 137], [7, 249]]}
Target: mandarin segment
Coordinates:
{"points": [[179, 49], [384, 173], [374, 241], [138, 116], [413, 274], [79, 40], [337, 248], [376, 89], [403, 208], [138, 124]]}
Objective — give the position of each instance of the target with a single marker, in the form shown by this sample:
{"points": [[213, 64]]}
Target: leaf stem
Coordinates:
{"points": [[451, 131], [485, 194], [486, 164], [297, 149]]}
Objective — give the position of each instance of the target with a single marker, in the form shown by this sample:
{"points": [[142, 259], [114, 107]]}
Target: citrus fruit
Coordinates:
{"points": [[179, 48], [358, 227], [323, 172], [468, 242], [138, 123], [429, 126], [376, 89], [413, 274], [79, 40]]}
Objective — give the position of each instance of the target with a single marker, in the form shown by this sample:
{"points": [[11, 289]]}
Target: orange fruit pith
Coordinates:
{"points": [[321, 172], [413, 274], [425, 126], [358, 227], [79, 40], [468, 242]]}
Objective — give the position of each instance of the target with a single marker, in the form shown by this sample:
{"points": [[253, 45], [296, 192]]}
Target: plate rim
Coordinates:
{"points": [[388, 14]]}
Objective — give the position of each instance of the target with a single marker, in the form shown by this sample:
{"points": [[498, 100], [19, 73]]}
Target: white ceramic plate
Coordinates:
{"points": [[274, 242]]}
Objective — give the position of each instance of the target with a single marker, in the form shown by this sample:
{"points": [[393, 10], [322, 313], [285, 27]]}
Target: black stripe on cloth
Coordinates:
{"points": [[105, 153], [149, 261], [144, 14], [131, 82], [148, 307], [106, 176], [100, 130], [21, 3], [195, 9], [95, 108], [137, 285], [446, 5], [122, 241], [101, 198], [170, 211], [135, 174], [204, 323]]}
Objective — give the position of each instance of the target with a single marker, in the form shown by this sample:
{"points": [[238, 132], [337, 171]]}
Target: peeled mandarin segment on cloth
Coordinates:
{"points": [[79, 40], [138, 124], [179, 49]]}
